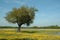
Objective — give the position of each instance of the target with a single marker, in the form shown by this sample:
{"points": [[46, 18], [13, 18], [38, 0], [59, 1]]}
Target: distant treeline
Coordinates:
{"points": [[7, 27], [35, 27], [48, 27]]}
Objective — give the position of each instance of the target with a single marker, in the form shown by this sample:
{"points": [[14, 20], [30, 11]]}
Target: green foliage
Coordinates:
{"points": [[24, 15]]}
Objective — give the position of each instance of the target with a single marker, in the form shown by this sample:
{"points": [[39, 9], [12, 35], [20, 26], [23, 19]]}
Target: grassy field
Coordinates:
{"points": [[30, 34]]}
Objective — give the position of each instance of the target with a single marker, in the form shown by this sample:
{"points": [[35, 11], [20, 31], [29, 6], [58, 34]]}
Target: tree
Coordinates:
{"points": [[22, 15]]}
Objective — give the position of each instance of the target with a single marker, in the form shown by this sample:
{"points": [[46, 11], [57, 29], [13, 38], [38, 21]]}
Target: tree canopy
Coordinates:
{"points": [[24, 15]]}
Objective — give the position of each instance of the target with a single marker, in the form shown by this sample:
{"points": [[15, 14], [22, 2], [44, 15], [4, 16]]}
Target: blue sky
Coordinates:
{"points": [[48, 14]]}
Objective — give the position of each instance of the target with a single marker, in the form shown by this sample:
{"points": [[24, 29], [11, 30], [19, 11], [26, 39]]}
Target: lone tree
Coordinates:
{"points": [[22, 15]]}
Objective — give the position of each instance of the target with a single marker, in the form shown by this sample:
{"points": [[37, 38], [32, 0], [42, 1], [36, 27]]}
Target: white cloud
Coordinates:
{"points": [[15, 1], [0, 7], [3, 22], [12, 1], [6, 1], [5, 10]]}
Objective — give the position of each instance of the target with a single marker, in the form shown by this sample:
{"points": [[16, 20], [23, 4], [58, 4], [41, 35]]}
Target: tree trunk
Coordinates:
{"points": [[19, 24], [19, 27]]}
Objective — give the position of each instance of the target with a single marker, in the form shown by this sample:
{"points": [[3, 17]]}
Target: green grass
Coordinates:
{"points": [[28, 34]]}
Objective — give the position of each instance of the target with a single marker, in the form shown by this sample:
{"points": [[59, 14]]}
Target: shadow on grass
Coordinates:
{"points": [[3, 39], [20, 39], [29, 31], [24, 39]]}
